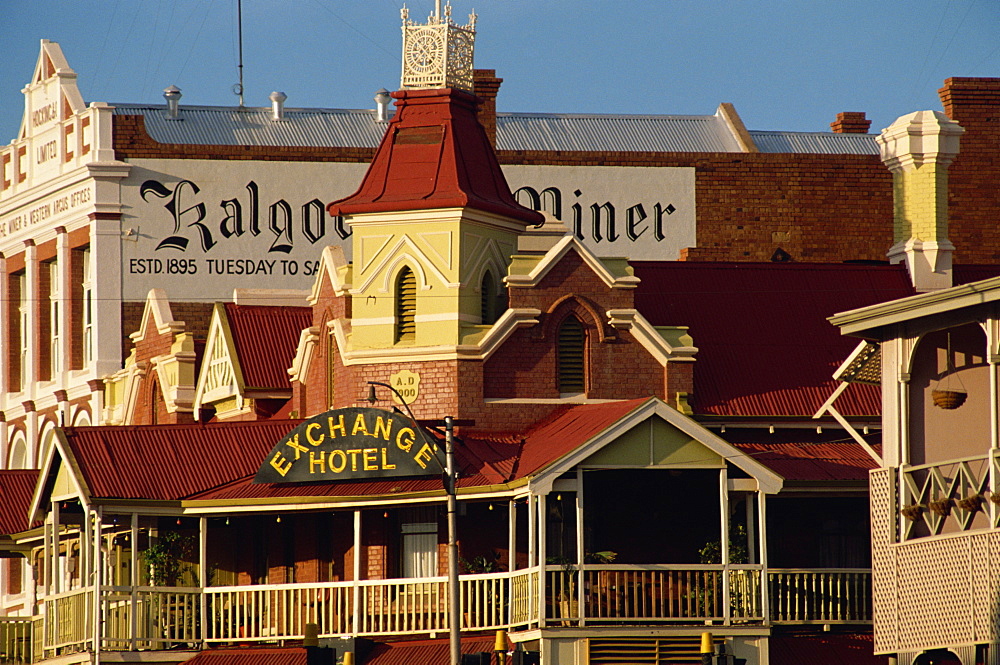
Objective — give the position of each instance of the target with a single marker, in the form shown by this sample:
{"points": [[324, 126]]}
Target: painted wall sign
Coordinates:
{"points": [[642, 213], [203, 228], [348, 443]]}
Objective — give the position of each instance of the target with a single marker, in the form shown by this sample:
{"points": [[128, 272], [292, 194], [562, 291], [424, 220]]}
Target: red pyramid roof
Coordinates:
{"points": [[435, 154]]}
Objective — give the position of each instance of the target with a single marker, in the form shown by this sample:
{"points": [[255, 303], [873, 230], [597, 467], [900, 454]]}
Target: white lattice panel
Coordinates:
{"points": [[934, 593], [984, 586], [883, 520]]}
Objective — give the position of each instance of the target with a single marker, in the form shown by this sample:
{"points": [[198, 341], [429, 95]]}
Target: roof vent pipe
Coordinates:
{"points": [[277, 105], [173, 97], [382, 100]]}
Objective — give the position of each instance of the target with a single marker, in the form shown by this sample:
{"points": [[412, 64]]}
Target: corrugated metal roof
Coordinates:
{"points": [[227, 125], [825, 649], [966, 274], [251, 656], [266, 338], [627, 133], [357, 128], [798, 456], [564, 432], [171, 462], [483, 462], [765, 347], [16, 488], [817, 143], [424, 652]]}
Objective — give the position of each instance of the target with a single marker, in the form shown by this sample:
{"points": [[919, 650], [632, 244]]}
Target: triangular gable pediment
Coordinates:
{"points": [[529, 270], [653, 443], [156, 315], [221, 377], [334, 272], [52, 95], [655, 435], [60, 478]]}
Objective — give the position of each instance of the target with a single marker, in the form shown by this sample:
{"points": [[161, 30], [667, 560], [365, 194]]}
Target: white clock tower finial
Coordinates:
{"points": [[438, 54]]}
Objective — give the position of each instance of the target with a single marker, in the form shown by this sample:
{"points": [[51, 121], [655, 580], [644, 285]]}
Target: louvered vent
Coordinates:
{"points": [[487, 302], [406, 306], [571, 354], [655, 651], [331, 349]]}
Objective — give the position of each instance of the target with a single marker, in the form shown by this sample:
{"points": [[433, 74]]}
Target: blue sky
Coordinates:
{"points": [[784, 64]]}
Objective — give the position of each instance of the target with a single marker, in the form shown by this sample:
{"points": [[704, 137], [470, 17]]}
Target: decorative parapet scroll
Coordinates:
{"points": [[438, 54]]}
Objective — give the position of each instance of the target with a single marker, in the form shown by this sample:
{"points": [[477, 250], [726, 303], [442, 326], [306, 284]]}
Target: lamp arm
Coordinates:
{"points": [[449, 482]]}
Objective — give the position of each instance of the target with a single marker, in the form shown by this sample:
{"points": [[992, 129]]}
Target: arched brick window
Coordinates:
{"points": [[571, 352]]}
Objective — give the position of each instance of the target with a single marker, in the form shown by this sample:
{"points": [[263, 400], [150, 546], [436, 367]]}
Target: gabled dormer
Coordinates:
{"points": [[249, 349], [157, 383]]}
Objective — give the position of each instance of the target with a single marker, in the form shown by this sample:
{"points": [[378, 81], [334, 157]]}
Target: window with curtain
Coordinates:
{"points": [[419, 551]]}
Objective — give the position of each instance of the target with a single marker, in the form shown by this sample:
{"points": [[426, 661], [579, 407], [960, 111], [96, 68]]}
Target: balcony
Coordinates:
{"points": [[155, 618]]}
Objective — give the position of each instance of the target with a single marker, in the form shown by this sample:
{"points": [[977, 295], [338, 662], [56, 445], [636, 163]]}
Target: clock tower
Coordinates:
{"points": [[434, 221]]}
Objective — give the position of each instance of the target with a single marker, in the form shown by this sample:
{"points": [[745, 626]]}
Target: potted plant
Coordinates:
{"points": [[165, 559], [971, 503], [941, 507]]}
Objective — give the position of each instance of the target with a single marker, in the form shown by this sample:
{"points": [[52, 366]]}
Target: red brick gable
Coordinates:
{"points": [[150, 342]]}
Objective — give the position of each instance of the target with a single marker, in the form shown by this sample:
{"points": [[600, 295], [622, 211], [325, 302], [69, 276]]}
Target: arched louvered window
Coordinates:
{"points": [[493, 299], [571, 355], [406, 305], [487, 299]]}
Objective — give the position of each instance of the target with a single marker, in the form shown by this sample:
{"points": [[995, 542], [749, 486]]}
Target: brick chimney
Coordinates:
{"points": [[851, 122], [486, 86], [974, 103], [917, 149]]}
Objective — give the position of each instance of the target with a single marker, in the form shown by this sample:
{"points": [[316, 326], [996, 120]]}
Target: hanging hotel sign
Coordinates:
{"points": [[348, 443]]}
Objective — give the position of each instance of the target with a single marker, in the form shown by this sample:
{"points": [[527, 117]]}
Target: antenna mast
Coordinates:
{"points": [[238, 88]]}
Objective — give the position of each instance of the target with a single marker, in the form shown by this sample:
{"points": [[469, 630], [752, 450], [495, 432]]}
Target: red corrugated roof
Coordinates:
{"points": [[250, 656], [483, 461], [171, 462], [562, 433], [765, 347], [966, 274], [435, 154], [266, 339], [424, 652], [812, 461], [16, 488], [825, 649]]}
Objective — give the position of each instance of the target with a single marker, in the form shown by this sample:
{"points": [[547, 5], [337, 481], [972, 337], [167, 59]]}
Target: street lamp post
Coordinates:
{"points": [[448, 477]]}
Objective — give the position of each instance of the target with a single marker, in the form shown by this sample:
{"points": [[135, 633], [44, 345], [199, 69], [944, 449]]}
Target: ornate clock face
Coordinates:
{"points": [[425, 53]]}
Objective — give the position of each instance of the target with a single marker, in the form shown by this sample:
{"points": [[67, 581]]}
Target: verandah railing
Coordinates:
{"points": [[165, 617], [16, 640], [841, 595], [654, 593]]}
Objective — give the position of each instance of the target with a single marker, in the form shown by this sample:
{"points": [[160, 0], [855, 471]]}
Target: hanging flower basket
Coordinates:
{"points": [[948, 399], [941, 507], [912, 512], [971, 503]]}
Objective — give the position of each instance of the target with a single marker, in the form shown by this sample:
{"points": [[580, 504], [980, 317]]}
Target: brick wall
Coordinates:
{"points": [[131, 141], [973, 194], [815, 207]]}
